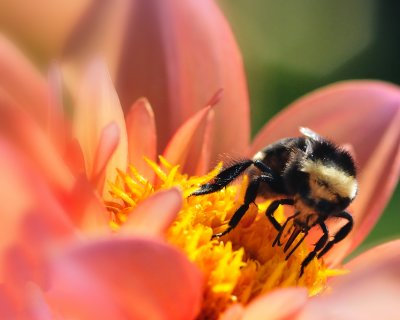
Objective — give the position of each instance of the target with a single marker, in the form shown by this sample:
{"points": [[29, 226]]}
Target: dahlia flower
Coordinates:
{"points": [[96, 225]]}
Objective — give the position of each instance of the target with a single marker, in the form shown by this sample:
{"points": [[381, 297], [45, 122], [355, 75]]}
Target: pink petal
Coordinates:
{"points": [[141, 279], [234, 312], [186, 145], [20, 129], [371, 291], [108, 143], [36, 304], [57, 127], [142, 137], [154, 215], [24, 134], [96, 108], [30, 220], [381, 252], [170, 54], [365, 115], [85, 209], [23, 82], [279, 304]]}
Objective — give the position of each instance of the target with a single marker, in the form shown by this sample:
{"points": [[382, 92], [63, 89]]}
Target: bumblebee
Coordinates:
{"points": [[311, 174]]}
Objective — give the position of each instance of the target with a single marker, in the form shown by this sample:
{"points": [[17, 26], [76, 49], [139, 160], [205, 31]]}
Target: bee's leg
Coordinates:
{"points": [[318, 246], [280, 232], [341, 234], [250, 197], [272, 208], [225, 177], [294, 235]]}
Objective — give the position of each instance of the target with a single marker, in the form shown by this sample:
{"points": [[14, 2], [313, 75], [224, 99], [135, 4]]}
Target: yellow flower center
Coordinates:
{"points": [[238, 266]]}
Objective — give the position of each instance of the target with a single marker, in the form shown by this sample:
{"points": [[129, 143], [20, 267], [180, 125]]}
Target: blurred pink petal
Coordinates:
{"points": [[23, 82], [96, 108], [278, 305], [235, 312], [30, 219], [381, 252], [185, 147], [42, 27], [20, 129], [176, 54], [142, 137], [85, 208], [154, 215], [125, 273], [36, 307], [365, 115], [32, 143], [370, 291]]}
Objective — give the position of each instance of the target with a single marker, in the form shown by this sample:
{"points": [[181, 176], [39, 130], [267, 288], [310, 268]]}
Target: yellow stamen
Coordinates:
{"points": [[240, 265]]}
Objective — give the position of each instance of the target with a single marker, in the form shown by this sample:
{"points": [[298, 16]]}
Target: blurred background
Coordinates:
{"points": [[289, 48], [293, 47]]}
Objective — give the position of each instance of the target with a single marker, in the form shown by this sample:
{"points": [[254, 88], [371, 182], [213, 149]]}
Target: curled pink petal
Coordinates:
{"points": [[155, 214], [371, 291], [278, 305], [365, 115], [186, 145], [143, 279], [142, 137], [205, 159], [169, 53], [108, 143], [97, 107]]}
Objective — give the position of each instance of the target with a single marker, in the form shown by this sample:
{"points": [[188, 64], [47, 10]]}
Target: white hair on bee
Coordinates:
{"points": [[336, 179]]}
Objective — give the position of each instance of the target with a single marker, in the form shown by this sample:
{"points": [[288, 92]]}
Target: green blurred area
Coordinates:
{"points": [[293, 47]]}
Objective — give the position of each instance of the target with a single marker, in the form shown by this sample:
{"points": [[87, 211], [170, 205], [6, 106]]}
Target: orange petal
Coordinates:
{"points": [[142, 137], [154, 215], [168, 53], [365, 115], [370, 291], [187, 143], [279, 304], [96, 108], [144, 279]]}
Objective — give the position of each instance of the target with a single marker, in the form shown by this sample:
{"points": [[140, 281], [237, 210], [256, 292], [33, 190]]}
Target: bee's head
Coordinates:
{"points": [[331, 174]]}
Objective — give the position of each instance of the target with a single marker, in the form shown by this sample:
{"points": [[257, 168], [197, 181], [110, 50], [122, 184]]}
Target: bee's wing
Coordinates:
{"points": [[310, 134]]}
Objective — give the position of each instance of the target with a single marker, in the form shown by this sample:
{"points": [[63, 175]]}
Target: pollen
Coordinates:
{"points": [[238, 266]]}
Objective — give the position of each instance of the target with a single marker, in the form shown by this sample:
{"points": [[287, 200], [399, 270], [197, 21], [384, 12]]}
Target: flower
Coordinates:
{"points": [[84, 235]]}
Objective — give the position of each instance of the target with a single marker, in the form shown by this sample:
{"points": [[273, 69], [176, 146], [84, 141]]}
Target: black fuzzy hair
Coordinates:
{"points": [[331, 155]]}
